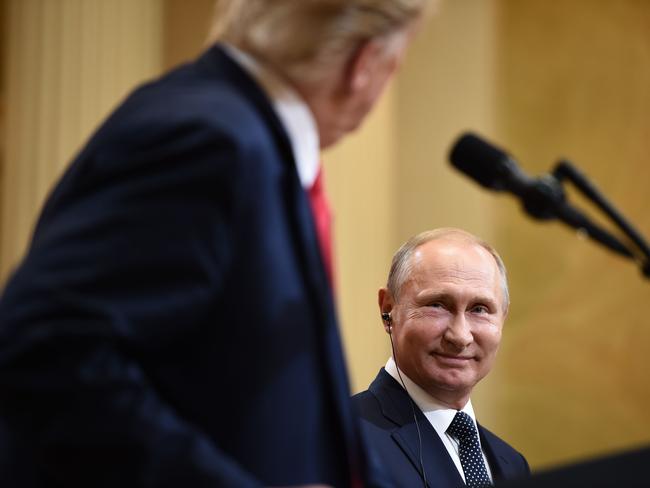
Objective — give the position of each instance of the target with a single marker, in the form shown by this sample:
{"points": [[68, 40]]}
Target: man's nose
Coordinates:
{"points": [[459, 332]]}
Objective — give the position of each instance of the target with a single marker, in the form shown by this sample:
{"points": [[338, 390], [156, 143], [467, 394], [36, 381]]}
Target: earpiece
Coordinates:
{"points": [[385, 316]]}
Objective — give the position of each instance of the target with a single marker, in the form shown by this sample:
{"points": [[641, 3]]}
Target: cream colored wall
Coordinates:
{"points": [[574, 81], [67, 63], [3, 115], [445, 88], [186, 24], [542, 78], [361, 184]]}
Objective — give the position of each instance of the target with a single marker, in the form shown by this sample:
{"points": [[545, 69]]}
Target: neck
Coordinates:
{"points": [[449, 399], [442, 397]]}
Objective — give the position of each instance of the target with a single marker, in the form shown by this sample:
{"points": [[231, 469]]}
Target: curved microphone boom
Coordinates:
{"points": [[542, 198]]}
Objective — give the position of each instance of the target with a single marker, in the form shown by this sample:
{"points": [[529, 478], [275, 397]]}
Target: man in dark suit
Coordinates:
{"points": [[444, 306], [172, 323]]}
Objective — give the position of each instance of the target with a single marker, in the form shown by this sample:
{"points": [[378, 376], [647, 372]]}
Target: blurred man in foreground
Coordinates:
{"points": [[172, 323], [443, 308]]}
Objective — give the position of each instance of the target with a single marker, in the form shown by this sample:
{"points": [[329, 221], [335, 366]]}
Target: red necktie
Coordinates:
{"points": [[323, 219]]}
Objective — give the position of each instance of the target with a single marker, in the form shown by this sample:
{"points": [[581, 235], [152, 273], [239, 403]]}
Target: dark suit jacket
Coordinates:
{"points": [[172, 323], [387, 423]]}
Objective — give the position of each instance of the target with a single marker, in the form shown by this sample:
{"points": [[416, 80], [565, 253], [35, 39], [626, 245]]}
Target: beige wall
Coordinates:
{"points": [[67, 63], [361, 184], [446, 87], [545, 79], [185, 26], [574, 81], [3, 115]]}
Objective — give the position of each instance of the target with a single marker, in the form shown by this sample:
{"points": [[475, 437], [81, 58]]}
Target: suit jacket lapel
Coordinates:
{"points": [[397, 407]]}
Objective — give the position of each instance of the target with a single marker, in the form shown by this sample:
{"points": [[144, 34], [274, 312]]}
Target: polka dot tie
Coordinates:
{"points": [[471, 458]]}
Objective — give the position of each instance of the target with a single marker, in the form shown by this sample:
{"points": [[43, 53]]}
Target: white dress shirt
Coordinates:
{"points": [[293, 112], [439, 416]]}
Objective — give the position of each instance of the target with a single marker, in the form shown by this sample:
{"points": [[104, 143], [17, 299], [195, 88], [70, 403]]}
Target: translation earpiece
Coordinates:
{"points": [[385, 316]]}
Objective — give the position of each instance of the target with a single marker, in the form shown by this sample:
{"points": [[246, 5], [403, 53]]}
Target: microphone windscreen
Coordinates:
{"points": [[480, 160]]}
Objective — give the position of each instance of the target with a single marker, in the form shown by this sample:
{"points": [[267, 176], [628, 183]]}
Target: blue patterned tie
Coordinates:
{"points": [[471, 458]]}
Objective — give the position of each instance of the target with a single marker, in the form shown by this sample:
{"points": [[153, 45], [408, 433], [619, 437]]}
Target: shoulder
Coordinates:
{"points": [[384, 402], [195, 107], [375, 409], [370, 401], [364, 398], [375, 426], [367, 406], [193, 130], [177, 109]]}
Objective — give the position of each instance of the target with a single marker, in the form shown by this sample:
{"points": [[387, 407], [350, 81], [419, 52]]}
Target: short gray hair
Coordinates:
{"points": [[400, 267], [303, 38]]}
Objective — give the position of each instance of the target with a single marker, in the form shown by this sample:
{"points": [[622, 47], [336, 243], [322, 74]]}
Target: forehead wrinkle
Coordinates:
{"points": [[456, 271], [454, 290]]}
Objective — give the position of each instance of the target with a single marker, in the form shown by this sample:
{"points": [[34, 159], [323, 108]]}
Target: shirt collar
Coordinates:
{"points": [[439, 416], [293, 112]]}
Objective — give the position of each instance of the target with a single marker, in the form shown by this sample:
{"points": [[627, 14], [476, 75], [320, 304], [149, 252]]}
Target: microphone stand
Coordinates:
{"points": [[546, 199], [565, 169]]}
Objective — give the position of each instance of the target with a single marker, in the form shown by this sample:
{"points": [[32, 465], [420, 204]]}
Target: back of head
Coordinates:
{"points": [[303, 39]]}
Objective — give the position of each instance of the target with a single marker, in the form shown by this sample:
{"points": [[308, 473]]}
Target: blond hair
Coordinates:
{"points": [[303, 38], [400, 267]]}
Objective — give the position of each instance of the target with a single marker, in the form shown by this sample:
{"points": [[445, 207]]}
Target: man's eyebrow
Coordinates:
{"points": [[442, 296], [433, 295]]}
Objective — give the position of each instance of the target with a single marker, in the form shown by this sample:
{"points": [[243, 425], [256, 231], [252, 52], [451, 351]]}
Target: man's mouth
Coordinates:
{"points": [[451, 359]]}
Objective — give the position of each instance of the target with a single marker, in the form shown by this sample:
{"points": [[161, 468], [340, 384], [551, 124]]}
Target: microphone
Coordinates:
{"points": [[489, 165], [495, 169], [542, 198]]}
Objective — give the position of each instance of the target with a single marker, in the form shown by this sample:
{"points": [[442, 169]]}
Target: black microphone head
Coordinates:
{"points": [[485, 163]]}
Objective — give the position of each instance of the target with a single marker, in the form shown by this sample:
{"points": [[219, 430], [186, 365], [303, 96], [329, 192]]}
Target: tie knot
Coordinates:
{"points": [[462, 427]]}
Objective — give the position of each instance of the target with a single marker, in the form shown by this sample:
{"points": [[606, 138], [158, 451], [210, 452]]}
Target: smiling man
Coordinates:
{"points": [[443, 307]]}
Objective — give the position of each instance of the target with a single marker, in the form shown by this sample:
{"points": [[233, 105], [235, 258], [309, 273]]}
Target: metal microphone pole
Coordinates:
{"points": [[566, 171]]}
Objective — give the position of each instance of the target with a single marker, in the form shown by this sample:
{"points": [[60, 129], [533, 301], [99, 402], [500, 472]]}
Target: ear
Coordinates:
{"points": [[385, 300], [363, 64]]}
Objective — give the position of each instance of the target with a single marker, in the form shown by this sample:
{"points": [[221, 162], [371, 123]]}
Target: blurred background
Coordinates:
{"points": [[544, 79]]}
